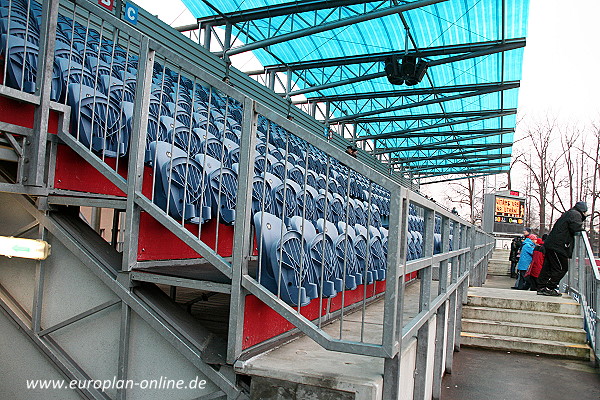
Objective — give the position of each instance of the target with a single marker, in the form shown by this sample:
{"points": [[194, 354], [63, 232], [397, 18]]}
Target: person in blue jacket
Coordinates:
{"points": [[524, 262]]}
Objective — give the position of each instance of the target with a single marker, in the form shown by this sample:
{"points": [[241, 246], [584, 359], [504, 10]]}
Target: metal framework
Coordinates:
{"points": [[429, 52], [481, 115], [465, 264], [338, 98], [330, 25], [337, 74]]}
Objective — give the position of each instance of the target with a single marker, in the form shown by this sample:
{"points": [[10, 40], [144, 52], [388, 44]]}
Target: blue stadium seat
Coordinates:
{"points": [[283, 271], [99, 123], [180, 184], [21, 64], [223, 184], [285, 199]]}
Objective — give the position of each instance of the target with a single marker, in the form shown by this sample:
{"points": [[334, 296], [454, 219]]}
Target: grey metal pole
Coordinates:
{"points": [[35, 146], [136, 154], [242, 232]]}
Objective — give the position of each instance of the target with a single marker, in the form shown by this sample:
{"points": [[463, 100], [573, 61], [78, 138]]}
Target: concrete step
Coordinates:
{"points": [[522, 316], [527, 330], [499, 262], [526, 345], [530, 303], [499, 273]]}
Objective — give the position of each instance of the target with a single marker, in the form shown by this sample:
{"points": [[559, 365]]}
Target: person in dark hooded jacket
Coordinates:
{"points": [[559, 248]]}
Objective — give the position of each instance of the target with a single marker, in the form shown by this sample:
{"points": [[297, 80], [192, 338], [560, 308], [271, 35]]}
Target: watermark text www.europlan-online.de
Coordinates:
{"points": [[163, 383]]}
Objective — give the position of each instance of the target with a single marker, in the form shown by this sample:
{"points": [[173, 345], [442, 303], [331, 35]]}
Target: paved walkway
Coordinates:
{"points": [[495, 375], [500, 375]]}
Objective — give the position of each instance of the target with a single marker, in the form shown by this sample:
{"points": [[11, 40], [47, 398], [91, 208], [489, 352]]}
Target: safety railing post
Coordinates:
{"points": [[426, 276], [137, 149], [460, 293], [242, 237], [394, 297], [596, 309], [453, 316], [441, 314], [34, 151]]}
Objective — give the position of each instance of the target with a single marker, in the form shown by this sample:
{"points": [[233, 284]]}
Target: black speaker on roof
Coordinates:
{"points": [[392, 70], [409, 64], [419, 73], [410, 71]]}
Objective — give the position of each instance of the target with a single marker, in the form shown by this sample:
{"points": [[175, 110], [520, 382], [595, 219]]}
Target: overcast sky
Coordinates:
{"points": [[561, 68]]}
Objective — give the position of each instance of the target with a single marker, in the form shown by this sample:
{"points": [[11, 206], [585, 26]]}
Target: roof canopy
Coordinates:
{"points": [[459, 119]]}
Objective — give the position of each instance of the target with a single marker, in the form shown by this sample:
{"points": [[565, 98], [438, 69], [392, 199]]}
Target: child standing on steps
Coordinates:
{"points": [[524, 262]]}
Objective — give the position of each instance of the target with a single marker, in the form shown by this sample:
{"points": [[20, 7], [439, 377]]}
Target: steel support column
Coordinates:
{"points": [[35, 147], [242, 232], [136, 154]]}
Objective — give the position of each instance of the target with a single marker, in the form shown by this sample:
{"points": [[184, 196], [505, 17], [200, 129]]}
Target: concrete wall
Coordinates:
{"points": [[90, 343]]}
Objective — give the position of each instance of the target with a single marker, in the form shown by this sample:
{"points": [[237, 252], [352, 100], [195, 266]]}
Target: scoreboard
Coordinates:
{"points": [[504, 213], [509, 211]]}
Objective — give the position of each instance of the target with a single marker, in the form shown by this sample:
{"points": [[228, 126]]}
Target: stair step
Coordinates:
{"points": [[525, 300], [525, 330], [522, 316], [526, 345]]}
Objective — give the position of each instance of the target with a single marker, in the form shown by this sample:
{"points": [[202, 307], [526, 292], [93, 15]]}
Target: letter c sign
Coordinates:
{"points": [[131, 13]]}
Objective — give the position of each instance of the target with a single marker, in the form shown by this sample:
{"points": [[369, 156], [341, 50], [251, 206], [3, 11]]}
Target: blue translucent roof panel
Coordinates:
{"points": [[449, 23]]}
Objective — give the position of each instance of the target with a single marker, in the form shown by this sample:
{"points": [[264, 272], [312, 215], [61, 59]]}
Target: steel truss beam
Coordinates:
{"points": [[448, 115], [452, 156], [330, 85], [483, 171], [275, 10], [332, 25], [496, 114], [461, 177], [433, 145], [426, 102], [454, 133], [417, 170], [491, 50], [488, 51], [380, 57], [485, 146], [403, 93]]}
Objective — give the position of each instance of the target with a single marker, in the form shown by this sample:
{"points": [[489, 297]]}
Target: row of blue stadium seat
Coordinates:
{"points": [[311, 202], [303, 260]]}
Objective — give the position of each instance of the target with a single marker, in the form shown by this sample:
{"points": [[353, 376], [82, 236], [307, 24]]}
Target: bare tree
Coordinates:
{"points": [[591, 154], [541, 164], [469, 192]]}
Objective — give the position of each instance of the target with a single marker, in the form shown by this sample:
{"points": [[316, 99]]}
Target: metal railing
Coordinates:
{"points": [[582, 283], [308, 219]]}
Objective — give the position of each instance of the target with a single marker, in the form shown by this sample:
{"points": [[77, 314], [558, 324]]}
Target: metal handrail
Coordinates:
{"points": [[582, 283]]}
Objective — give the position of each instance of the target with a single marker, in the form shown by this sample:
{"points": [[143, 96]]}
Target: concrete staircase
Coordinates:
{"points": [[499, 264], [521, 321]]}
